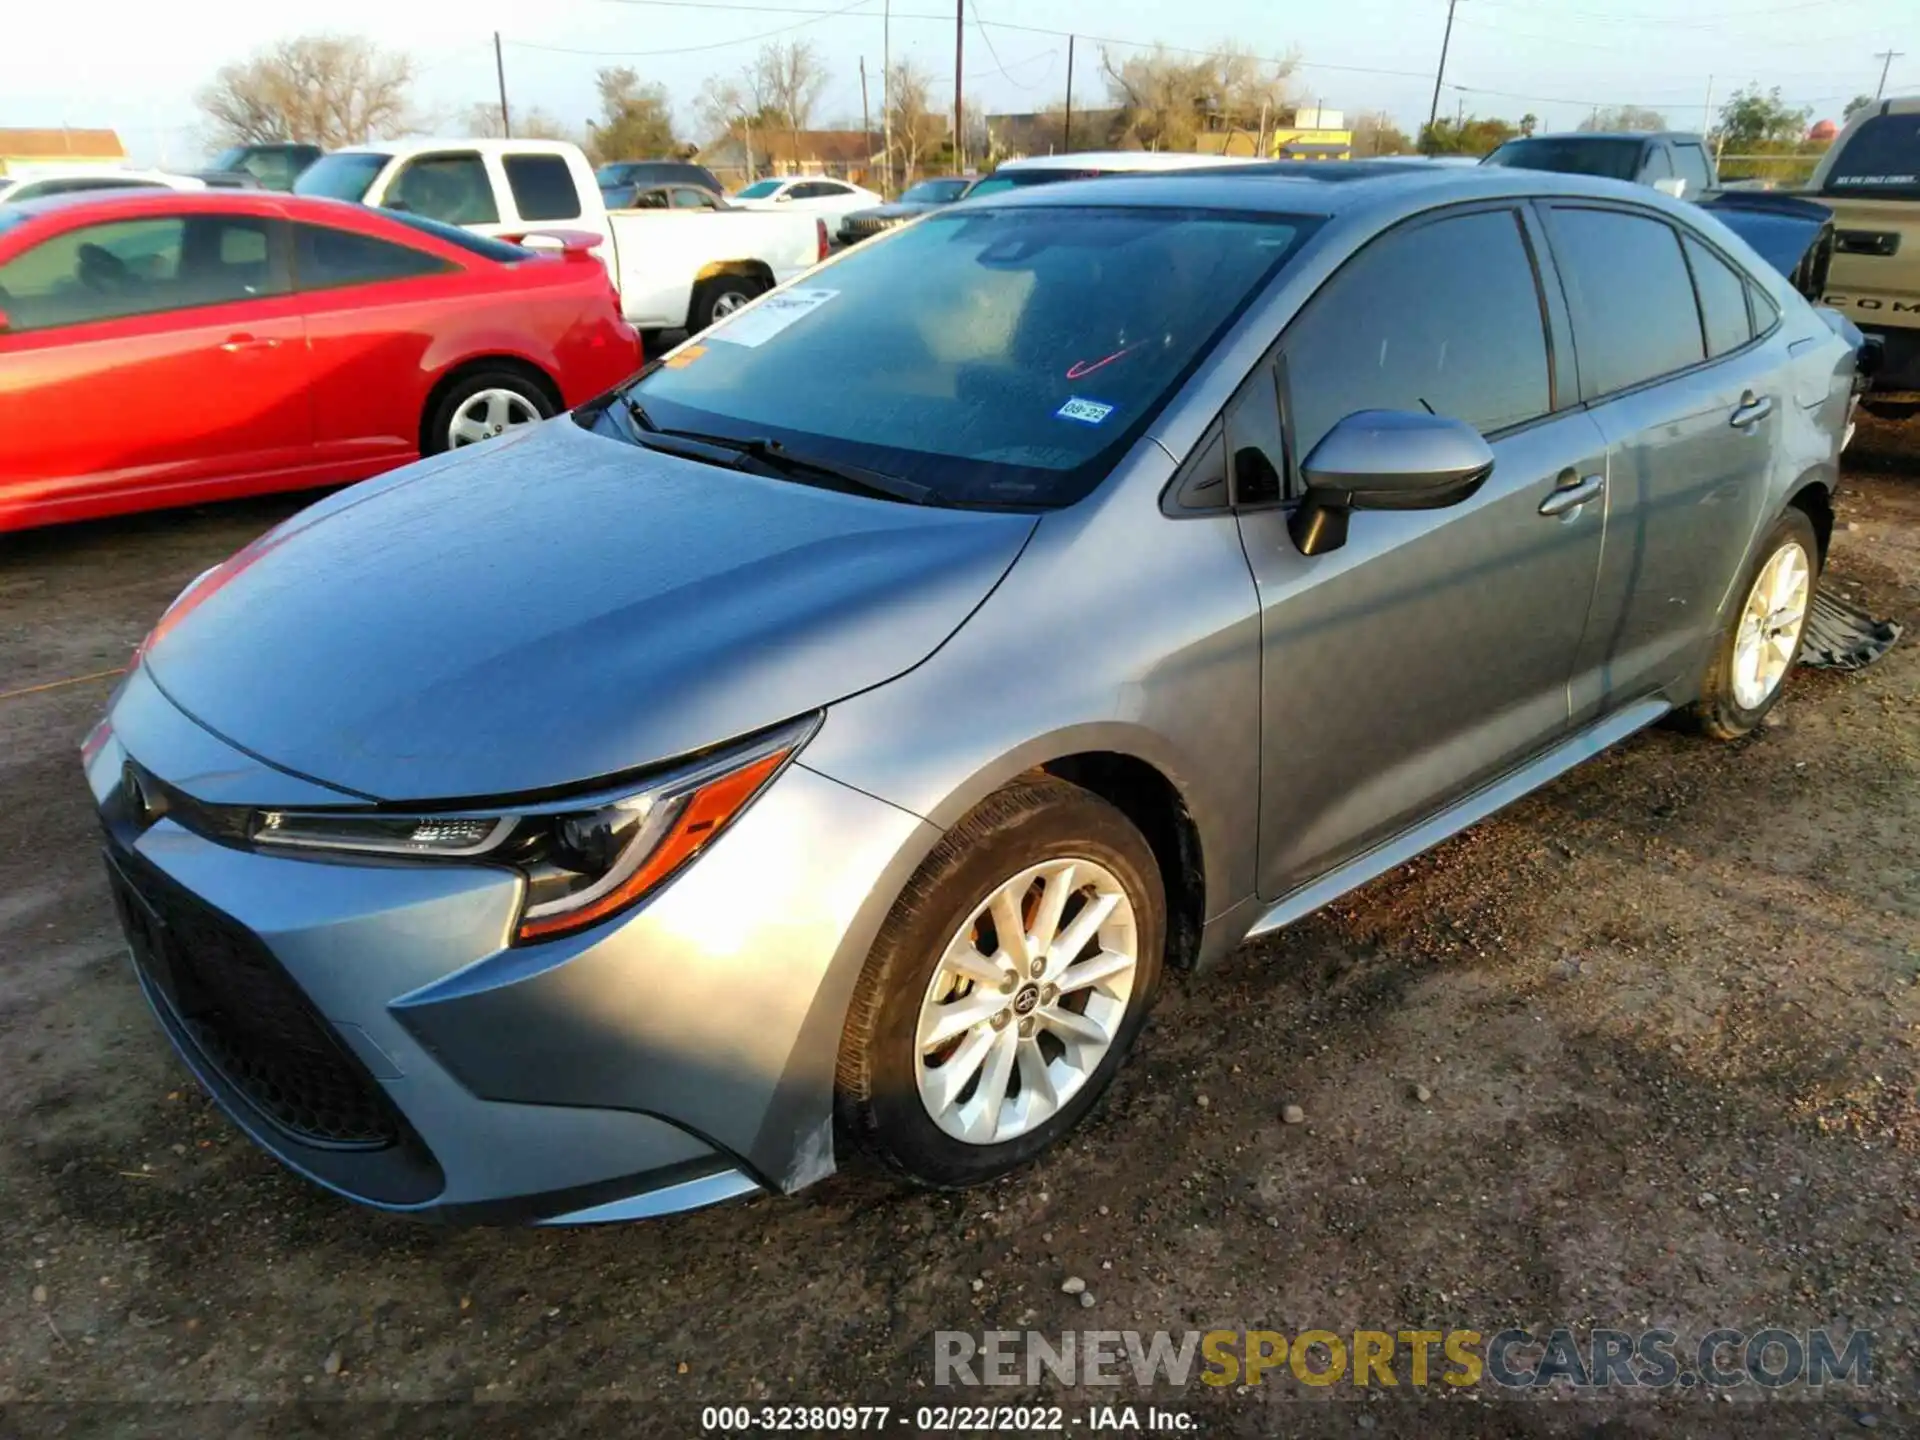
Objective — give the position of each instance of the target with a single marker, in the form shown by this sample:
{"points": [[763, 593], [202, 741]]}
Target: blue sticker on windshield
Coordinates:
{"points": [[1087, 412]]}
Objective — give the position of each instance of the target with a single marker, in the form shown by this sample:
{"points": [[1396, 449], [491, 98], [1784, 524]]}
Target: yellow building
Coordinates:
{"points": [[59, 147], [1311, 133]]}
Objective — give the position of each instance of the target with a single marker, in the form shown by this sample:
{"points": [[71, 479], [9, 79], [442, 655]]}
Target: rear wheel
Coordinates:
{"points": [[482, 405], [719, 296], [1005, 989], [1762, 637]]}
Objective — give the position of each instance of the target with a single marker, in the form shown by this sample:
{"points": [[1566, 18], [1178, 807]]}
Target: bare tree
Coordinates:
{"points": [[483, 119], [1169, 99], [918, 129], [788, 79], [1624, 117], [1375, 133], [328, 90]]}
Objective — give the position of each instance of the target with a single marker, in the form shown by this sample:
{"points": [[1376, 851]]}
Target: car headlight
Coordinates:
{"points": [[584, 859]]}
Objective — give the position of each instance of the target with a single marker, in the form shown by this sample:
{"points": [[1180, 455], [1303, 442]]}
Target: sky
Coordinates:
{"points": [[137, 68]]}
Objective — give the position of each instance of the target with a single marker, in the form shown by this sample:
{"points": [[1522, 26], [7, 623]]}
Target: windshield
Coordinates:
{"points": [[340, 177], [759, 190], [1572, 155], [1882, 157], [1003, 180], [229, 158], [999, 358], [934, 192]]}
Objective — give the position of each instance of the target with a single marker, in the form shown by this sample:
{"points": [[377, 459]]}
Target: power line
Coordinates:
{"points": [[693, 49]]}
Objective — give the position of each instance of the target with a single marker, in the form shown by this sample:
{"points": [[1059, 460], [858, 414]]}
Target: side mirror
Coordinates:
{"points": [[1385, 460], [1671, 185]]}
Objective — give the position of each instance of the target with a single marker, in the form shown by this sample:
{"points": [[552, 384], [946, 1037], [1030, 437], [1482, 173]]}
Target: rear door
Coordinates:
{"points": [[1432, 651], [162, 355], [1689, 397]]}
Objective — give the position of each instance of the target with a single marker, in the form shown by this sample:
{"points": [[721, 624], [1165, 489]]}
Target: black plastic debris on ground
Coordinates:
{"points": [[1842, 636]]}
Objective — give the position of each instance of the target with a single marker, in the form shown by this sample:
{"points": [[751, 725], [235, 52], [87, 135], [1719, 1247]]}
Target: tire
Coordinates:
{"points": [[508, 396], [902, 989], [717, 296], [1892, 410], [1729, 706]]}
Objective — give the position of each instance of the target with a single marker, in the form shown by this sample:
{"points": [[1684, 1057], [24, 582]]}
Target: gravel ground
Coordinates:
{"points": [[1639, 1052]]}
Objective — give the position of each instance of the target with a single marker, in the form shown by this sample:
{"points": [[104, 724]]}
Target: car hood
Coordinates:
{"points": [[554, 608], [896, 210]]}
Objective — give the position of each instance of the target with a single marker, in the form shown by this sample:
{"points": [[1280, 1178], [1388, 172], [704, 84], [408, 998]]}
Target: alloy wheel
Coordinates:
{"points": [[1770, 625], [1026, 1001], [726, 303], [487, 413]]}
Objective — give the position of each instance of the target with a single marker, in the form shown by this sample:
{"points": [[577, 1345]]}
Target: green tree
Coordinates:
{"points": [[1472, 135], [1856, 105], [636, 120], [1375, 133], [1752, 122], [1610, 118]]}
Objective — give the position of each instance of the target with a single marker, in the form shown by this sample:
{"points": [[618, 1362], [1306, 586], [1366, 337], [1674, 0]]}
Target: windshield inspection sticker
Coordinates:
{"points": [[772, 315], [1087, 412]]}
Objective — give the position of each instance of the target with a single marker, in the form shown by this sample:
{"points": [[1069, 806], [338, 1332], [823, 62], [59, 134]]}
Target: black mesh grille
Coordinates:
{"points": [[248, 1017]]}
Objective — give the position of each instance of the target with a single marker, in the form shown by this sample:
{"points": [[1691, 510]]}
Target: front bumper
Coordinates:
{"points": [[370, 1025]]}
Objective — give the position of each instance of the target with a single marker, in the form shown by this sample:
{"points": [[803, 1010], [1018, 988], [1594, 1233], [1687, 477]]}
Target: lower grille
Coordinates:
{"points": [[248, 1018]]}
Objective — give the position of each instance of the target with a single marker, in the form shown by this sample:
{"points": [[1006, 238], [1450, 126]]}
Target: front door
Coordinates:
{"points": [[162, 356], [1432, 651]]}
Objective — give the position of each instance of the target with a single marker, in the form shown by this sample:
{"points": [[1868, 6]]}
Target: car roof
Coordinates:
{"points": [[1143, 161], [400, 149], [131, 204], [1321, 188], [1609, 135]]}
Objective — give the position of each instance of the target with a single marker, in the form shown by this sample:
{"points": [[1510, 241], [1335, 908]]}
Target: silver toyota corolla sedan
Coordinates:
{"points": [[823, 746]]}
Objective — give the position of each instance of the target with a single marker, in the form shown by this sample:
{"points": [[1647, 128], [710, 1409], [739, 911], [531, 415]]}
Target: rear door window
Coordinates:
{"points": [[685, 197], [542, 187], [1723, 299], [1658, 166], [1634, 316], [326, 259], [1882, 157], [453, 187], [1690, 164], [1444, 316]]}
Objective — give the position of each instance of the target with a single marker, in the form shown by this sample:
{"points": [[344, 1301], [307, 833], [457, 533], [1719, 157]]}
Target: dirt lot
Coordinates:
{"points": [[1664, 1015]]}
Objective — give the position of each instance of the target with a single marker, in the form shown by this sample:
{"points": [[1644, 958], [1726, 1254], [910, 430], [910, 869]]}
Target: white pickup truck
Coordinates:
{"points": [[674, 269]]}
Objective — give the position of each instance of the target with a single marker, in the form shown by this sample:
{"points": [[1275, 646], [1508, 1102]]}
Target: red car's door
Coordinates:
{"points": [[149, 360]]}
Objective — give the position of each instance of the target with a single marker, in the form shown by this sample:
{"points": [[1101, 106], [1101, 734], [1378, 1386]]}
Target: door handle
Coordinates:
{"points": [[1751, 410], [233, 344], [1572, 493]]}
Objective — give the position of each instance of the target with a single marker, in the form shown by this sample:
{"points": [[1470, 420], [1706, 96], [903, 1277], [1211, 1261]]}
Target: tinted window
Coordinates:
{"points": [[648, 200], [272, 168], [761, 189], [1256, 453], [1765, 312], [324, 258], [807, 190], [1658, 167], [453, 188], [1690, 163], [542, 186], [1723, 299], [1443, 317], [685, 197], [1017, 179], [340, 177], [1572, 155], [935, 192], [504, 251], [1633, 310], [1882, 157], [40, 189], [999, 357], [136, 267]]}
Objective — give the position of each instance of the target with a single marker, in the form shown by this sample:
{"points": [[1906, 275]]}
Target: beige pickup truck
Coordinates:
{"points": [[1871, 181]]}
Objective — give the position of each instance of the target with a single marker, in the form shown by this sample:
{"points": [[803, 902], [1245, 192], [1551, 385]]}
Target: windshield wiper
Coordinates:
{"points": [[775, 456]]}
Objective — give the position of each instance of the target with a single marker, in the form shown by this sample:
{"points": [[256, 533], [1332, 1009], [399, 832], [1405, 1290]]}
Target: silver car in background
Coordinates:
{"points": [[822, 746]]}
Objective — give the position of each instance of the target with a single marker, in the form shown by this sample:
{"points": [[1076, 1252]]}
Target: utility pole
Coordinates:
{"points": [[1886, 59], [959, 112], [886, 88], [1446, 40], [500, 70], [1706, 110], [866, 116], [1066, 134]]}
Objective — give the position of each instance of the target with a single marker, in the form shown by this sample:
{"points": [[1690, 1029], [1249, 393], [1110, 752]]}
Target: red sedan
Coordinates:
{"points": [[168, 348]]}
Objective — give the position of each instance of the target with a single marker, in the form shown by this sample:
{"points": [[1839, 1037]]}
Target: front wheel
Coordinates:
{"points": [[1762, 637], [1005, 989]]}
